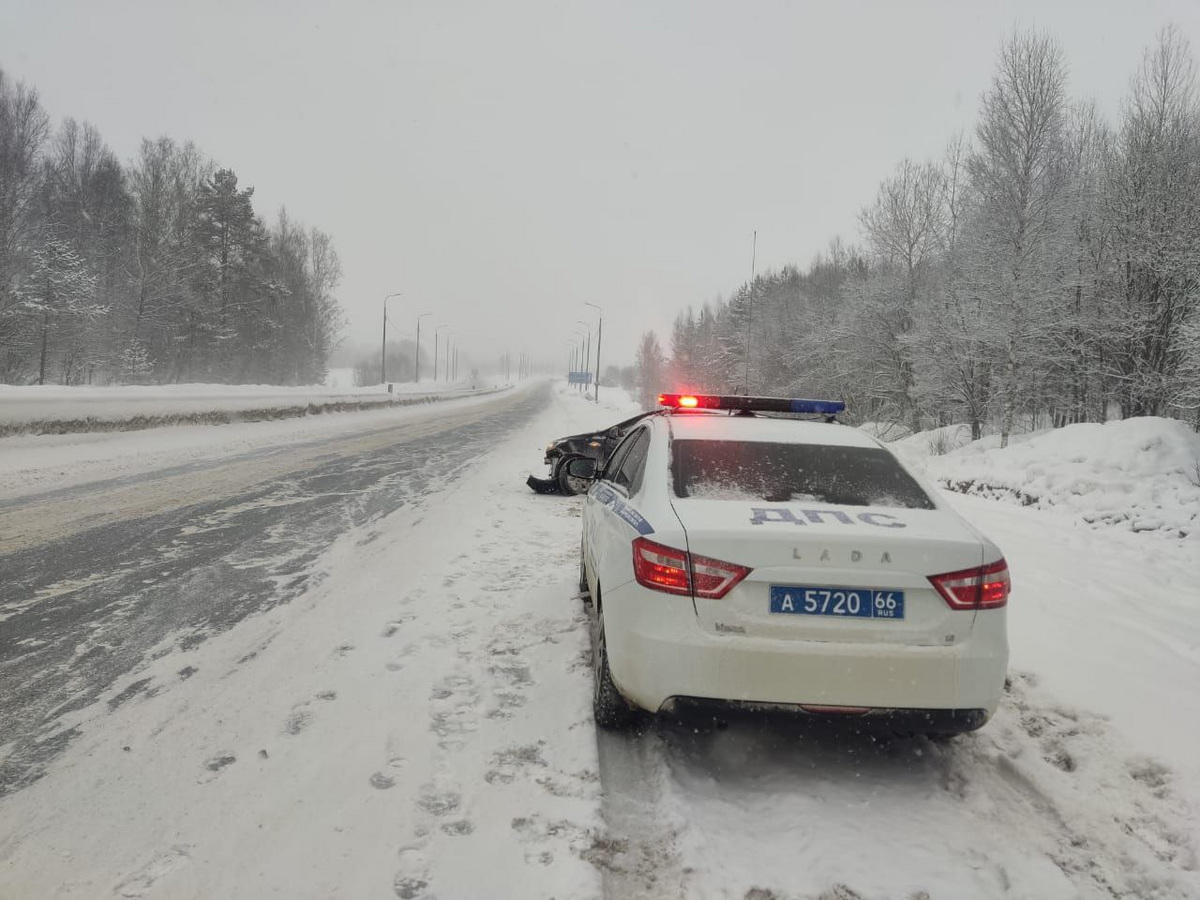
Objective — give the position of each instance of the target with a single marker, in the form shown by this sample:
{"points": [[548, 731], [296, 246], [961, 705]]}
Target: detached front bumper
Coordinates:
{"points": [[543, 485]]}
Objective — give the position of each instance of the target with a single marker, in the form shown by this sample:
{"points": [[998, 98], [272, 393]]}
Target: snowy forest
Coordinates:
{"points": [[1046, 269], [156, 270]]}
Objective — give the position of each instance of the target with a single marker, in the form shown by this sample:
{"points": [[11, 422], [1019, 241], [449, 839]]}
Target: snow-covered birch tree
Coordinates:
{"points": [[1017, 223]]}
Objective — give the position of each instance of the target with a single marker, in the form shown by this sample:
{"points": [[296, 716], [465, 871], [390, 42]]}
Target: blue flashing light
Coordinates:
{"points": [[819, 407]]}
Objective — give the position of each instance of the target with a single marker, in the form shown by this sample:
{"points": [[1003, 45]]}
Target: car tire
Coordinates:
{"points": [[584, 590], [611, 710], [942, 737], [568, 484]]}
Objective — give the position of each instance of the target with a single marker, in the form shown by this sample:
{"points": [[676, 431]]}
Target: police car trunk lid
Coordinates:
{"points": [[813, 545]]}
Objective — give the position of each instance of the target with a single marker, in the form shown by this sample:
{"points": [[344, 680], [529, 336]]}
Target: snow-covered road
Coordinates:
{"points": [[396, 702], [94, 576]]}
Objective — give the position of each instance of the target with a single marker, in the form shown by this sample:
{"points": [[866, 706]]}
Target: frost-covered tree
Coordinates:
{"points": [[953, 373], [1154, 201], [156, 269], [163, 259], [651, 366], [58, 294], [904, 230], [24, 127], [1017, 225], [1038, 273]]}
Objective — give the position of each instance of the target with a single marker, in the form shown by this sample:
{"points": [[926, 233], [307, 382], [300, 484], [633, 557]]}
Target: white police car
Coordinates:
{"points": [[741, 558]]}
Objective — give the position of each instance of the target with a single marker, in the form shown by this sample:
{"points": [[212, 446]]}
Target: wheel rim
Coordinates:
{"points": [[577, 485]]}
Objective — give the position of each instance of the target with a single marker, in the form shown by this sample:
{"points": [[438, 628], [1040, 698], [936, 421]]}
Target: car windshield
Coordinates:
{"points": [[777, 472]]}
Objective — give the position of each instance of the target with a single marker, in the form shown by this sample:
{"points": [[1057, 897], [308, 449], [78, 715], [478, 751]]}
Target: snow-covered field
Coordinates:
{"points": [[30, 463], [29, 404], [1142, 473], [418, 724]]}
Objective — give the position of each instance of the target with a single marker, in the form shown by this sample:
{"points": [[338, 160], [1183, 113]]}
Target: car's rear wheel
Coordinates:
{"points": [[612, 711], [568, 483], [942, 737], [584, 590]]}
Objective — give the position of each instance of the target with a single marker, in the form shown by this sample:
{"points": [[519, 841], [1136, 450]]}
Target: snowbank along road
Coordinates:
{"points": [[347, 662]]}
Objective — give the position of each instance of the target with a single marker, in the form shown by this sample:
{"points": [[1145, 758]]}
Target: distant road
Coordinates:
{"points": [[94, 577]]}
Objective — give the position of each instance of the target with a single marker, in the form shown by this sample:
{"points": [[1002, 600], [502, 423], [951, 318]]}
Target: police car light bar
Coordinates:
{"points": [[751, 404]]}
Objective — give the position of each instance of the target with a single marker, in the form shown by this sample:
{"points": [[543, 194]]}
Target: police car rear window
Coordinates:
{"points": [[779, 473]]}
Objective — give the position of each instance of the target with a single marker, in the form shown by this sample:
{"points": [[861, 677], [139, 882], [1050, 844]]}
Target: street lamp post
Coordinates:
{"points": [[599, 340], [435, 350], [587, 362], [583, 338], [570, 342], [417, 355], [750, 308], [383, 352]]}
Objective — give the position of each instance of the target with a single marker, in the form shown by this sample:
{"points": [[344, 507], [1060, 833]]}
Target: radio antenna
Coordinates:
{"points": [[750, 308]]}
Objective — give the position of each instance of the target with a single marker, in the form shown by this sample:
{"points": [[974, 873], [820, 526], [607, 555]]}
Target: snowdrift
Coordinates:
{"points": [[53, 409], [1142, 473]]}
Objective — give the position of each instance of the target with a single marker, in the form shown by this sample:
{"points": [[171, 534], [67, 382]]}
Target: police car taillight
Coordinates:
{"points": [[986, 587], [752, 404], [672, 571]]}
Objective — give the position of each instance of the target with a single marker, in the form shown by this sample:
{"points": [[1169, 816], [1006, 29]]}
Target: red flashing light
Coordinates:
{"points": [[690, 401], [672, 571], [751, 404], [985, 587]]}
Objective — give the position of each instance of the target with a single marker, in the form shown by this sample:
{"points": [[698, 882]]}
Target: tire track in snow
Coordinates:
{"points": [[1109, 819], [492, 751], [189, 553], [1044, 802]]}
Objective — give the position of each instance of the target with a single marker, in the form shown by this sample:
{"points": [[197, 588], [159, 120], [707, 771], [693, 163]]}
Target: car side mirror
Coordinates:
{"points": [[582, 468]]}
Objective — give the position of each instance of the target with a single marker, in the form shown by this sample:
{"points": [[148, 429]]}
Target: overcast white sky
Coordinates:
{"points": [[502, 163]]}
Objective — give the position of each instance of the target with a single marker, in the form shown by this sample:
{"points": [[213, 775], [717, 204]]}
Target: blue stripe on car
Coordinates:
{"points": [[623, 510]]}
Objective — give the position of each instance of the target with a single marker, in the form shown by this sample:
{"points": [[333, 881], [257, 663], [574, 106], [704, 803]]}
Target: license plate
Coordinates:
{"points": [[843, 603]]}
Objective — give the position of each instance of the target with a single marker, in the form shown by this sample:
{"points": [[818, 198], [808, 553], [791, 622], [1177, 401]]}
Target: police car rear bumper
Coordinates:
{"points": [[658, 652], [927, 721]]}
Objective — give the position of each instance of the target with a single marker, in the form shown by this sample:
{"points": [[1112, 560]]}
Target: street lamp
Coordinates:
{"points": [[417, 356], [435, 349], [570, 342], [584, 337], [383, 352], [587, 362], [599, 340]]}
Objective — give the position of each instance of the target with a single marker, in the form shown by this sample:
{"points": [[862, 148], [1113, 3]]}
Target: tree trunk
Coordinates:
{"points": [[45, 338], [1009, 389]]}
